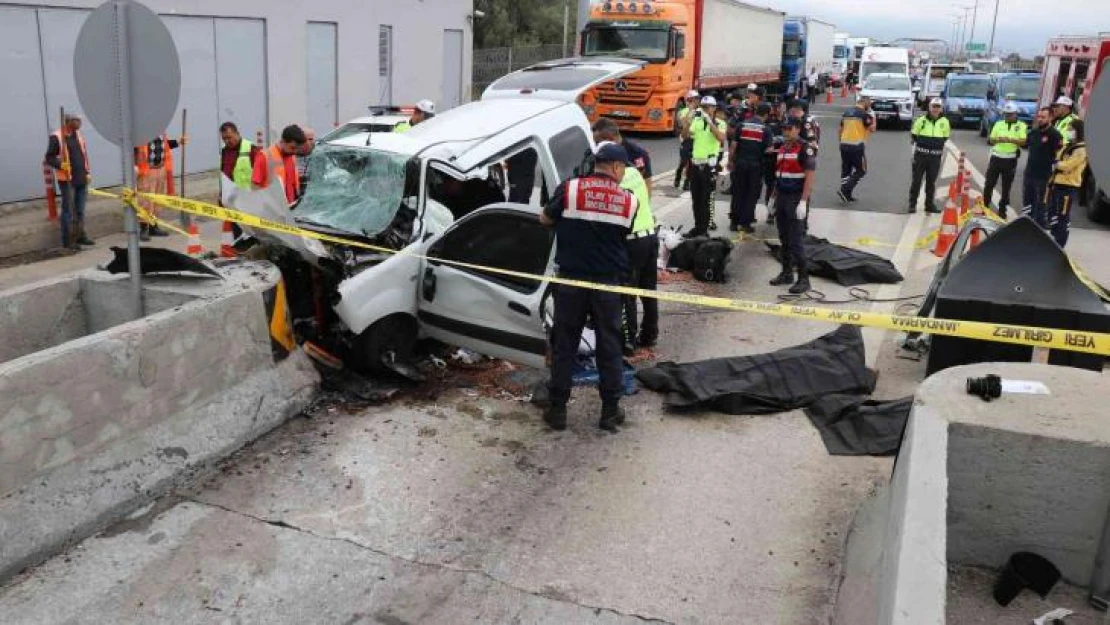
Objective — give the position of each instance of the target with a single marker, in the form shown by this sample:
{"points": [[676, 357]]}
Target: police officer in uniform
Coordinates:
{"points": [[1008, 137], [686, 146], [592, 216], [1063, 110], [708, 134], [795, 172], [929, 134], [811, 130], [643, 243], [749, 151], [424, 110]]}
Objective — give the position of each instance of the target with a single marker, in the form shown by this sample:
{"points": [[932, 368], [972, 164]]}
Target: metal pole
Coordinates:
{"points": [[127, 151], [185, 218], [566, 26], [993, 27], [974, 15]]}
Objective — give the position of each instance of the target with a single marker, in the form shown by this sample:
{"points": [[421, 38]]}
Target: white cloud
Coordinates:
{"points": [[1023, 25]]}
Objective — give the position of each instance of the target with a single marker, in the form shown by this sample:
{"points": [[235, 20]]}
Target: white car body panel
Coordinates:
{"points": [[552, 81]]}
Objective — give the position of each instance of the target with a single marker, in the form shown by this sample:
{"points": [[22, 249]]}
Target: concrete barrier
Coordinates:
{"points": [[99, 415], [976, 482]]}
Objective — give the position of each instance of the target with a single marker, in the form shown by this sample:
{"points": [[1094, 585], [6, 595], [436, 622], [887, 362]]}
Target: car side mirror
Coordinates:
{"points": [[680, 45]]}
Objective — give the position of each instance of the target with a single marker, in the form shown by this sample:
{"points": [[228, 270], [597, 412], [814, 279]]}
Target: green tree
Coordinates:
{"points": [[520, 22]]}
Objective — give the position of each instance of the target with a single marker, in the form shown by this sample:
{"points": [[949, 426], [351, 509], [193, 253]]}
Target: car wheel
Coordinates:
{"points": [[393, 337], [1098, 208]]}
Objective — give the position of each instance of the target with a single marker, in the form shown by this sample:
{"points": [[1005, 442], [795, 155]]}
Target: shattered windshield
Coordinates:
{"points": [[357, 190]]}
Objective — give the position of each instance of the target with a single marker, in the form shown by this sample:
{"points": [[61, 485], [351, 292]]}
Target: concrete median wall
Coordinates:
{"points": [[94, 427], [976, 482]]}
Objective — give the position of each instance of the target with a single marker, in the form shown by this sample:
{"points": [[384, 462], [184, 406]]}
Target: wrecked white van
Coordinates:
{"points": [[438, 191]]}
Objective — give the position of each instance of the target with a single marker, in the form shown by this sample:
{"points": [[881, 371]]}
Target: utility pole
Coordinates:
{"points": [[993, 27], [566, 26], [974, 14]]}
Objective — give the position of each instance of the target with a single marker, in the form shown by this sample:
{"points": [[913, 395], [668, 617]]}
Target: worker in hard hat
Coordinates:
{"points": [[425, 110], [708, 135]]}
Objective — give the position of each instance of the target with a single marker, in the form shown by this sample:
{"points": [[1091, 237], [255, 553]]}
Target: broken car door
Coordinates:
{"points": [[490, 313]]}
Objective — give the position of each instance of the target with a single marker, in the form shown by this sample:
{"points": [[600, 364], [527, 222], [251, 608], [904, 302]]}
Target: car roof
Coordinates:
{"points": [[449, 134], [379, 119]]}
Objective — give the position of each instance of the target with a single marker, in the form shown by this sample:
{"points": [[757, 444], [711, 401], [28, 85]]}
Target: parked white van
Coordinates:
{"points": [[882, 60]]}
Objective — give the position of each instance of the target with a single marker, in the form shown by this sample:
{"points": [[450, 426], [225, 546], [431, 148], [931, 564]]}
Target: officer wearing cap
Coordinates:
{"points": [[811, 130], [1007, 138], [686, 146], [708, 134], [1063, 110], [745, 161], [795, 173], [592, 216], [929, 134], [425, 110]]}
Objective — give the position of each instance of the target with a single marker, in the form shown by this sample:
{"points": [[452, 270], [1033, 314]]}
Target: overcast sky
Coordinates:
{"points": [[1023, 25]]}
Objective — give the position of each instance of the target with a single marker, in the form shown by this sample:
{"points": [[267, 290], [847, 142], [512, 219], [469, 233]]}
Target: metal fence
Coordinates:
{"points": [[493, 63]]}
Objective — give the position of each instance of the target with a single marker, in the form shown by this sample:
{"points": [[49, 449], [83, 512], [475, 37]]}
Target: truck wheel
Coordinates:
{"points": [[391, 337]]}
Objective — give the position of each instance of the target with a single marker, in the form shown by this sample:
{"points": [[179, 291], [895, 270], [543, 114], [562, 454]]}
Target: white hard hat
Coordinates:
{"points": [[752, 86], [1064, 101], [693, 93], [709, 101], [426, 106], [936, 102], [1010, 109]]}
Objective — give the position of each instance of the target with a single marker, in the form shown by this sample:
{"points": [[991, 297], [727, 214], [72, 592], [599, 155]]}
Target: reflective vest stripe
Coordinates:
{"points": [[634, 181], [790, 165], [752, 132], [1004, 129], [63, 153]]}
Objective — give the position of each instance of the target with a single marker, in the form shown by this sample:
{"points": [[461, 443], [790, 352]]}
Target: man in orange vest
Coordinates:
{"points": [[152, 161], [67, 155], [279, 162]]}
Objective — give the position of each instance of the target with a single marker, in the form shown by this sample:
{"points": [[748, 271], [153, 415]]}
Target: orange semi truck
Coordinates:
{"points": [[714, 46]]}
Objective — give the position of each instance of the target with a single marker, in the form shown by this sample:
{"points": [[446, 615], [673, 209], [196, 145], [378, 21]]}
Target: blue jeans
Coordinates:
{"points": [[73, 217]]}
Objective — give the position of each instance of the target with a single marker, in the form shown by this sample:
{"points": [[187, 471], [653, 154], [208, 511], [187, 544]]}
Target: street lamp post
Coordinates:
{"points": [[974, 15], [993, 27]]}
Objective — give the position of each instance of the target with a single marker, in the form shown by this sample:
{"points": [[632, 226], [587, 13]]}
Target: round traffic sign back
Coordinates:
{"points": [[127, 72]]}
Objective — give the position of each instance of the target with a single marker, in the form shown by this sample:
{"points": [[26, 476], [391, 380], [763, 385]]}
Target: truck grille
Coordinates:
{"points": [[624, 91]]}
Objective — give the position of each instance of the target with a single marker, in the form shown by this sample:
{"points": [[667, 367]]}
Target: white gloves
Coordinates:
{"points": [[802, 211]]}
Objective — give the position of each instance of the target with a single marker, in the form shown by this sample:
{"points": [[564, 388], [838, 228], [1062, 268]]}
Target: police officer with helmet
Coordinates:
{"points": [[929, 134], [708, 134], [795, 173], [686, 145], [1007, 138], [592, 216]]}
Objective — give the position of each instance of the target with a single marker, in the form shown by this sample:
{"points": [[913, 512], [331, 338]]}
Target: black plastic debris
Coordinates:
{"points": [[852, 425], [1018, 276], [844, 265], [355, 387], [157, 260], [767, 383], [1025, 570]]}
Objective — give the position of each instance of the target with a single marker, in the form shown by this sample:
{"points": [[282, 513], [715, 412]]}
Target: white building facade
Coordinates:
{"points": [[262, 64]]}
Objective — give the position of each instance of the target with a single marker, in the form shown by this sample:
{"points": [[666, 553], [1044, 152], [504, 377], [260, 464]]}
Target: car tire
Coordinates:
{"points": [[1098, 207], [394, 334]]}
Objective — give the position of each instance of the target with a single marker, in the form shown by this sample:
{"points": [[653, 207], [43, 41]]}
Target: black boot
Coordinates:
{"points": [[611, 416], [556, 416], [82, 238], [802, 285], [786, 277]]}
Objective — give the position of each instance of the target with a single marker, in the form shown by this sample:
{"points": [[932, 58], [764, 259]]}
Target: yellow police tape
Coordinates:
{"points": [[1051, 338]]}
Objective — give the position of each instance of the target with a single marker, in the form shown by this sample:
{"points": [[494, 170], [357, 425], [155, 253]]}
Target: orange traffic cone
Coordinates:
{"points": [[949, 228], [227, 242], [828, 95], [844, 89], [194, 248]]}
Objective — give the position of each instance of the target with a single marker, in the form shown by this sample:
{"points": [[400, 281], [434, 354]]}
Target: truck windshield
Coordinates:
{"points": [[357, 190], [987, 67], [967, 88], [637, 43], [875, 67], [791, 48], [840, 52], [1023, 89], [888, 83]]}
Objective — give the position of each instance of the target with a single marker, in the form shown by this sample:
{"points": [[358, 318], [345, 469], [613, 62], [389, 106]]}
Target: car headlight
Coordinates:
{"points": [[655, 114]]}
